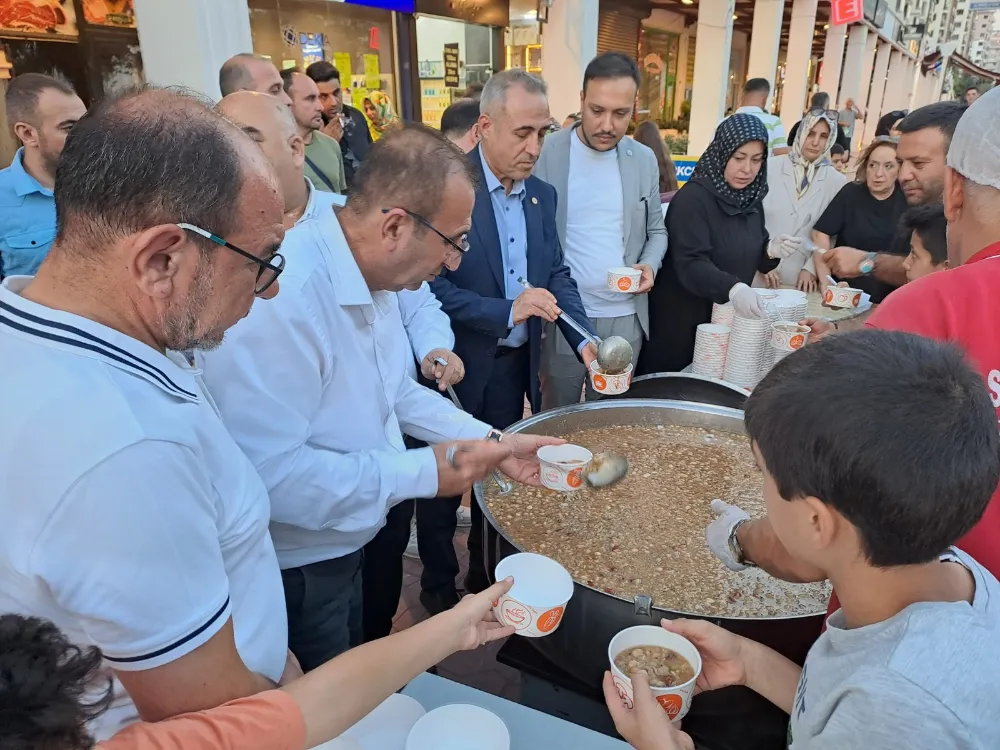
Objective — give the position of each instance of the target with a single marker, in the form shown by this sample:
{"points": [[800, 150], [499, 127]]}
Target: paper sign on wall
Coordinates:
{"points": [[373, 79], [342, 62], [358, 95]]}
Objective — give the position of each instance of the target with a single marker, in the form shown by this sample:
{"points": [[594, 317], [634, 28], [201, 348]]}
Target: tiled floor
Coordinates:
{"points": [[479, 668]]}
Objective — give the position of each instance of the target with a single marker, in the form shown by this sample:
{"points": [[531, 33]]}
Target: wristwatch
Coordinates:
{"points": [[868, 264], [734, 545], [495, 435]]}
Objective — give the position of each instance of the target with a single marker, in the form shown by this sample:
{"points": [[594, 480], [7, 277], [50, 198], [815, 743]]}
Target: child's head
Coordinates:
{"points": [[874, 444], [928, 230], [838, 157]]}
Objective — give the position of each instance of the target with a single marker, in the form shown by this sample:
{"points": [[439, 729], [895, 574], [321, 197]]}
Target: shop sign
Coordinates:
{"points": [[985, 6], [312, 48], [118, 13], [46, 19], [451, 78], [685, 167], [400, 6], [486, 12], [846, 11]]}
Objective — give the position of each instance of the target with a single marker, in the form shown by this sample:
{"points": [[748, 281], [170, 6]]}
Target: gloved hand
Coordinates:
{"points": [[718, 532], [745, 301], [785, 245]]}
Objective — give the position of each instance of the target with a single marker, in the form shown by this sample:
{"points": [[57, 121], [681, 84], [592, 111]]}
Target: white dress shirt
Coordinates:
{"points": [[427, 325], [128, 515], [314, 386]]}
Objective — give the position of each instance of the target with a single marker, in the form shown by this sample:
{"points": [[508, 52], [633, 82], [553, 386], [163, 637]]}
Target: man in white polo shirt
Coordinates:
{"points": [[265, 119], [314, 384], [128, 515]]}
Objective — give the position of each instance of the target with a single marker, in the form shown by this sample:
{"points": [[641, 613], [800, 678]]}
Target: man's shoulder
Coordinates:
{"points": [[537, 187]]}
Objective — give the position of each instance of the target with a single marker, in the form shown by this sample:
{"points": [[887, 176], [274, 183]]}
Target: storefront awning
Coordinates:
{"points": [[932, 61]]}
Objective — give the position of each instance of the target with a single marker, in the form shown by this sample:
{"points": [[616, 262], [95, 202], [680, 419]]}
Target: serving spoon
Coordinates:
{"points": [[614, 353]]}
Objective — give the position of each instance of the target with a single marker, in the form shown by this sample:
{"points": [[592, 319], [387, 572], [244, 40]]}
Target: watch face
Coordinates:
{"points": [[867, 266]]}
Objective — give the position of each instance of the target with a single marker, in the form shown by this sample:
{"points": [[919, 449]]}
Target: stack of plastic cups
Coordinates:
{"points": [[722, 315], [711, 343], [747, 342], [771, 315], [792, 304]]}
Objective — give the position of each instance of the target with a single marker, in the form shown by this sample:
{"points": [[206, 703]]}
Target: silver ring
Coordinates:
{"points": [[449, 456]]}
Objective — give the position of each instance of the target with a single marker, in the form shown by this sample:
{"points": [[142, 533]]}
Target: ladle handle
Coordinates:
{"points": [[572, 323]]}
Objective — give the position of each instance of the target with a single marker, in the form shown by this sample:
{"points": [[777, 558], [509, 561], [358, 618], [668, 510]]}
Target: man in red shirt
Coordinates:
{"points": [[961, 305]]}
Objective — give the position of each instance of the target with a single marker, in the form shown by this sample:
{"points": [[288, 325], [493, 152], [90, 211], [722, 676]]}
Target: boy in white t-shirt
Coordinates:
{"points": [[869, 484]]}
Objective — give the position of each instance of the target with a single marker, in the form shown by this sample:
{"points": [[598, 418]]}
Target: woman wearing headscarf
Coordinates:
{"points": [[380, 114], [718, 241], [801, 184]]}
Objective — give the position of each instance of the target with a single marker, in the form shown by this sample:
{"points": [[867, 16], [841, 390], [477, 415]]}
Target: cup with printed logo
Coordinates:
{"points": [[787, 337], [674, 699], [610, 384], [842, 296], [535, 604], [562, 466], [624, 279]]}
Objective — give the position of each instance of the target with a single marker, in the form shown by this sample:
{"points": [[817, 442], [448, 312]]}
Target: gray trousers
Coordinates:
{"points": [[563, 375]]}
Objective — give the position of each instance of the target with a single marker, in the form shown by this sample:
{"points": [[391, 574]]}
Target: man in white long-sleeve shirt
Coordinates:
{"points": [[315, 387]]}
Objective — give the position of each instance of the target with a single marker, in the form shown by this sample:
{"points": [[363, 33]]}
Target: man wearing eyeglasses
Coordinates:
{"points": [[314, 385], [129, 515]]}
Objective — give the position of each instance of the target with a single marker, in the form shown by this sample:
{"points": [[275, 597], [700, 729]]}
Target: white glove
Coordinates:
{"points": [[719, 531], [785, 245], [745, 301]]}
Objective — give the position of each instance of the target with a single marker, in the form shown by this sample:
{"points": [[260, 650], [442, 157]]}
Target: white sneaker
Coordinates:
{"points": [[411, 549], [464, 516]]}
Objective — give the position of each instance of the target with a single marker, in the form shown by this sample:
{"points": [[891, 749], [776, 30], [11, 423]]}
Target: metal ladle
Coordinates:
{"points": [[614, 353]]}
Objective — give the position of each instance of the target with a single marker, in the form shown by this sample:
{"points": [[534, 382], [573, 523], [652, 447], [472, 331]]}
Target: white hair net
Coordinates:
{"points": [[975, 147]]}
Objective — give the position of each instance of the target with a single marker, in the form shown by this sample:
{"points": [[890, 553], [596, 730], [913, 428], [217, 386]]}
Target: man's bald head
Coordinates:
{"points": [[271, 125], [248, 72]]}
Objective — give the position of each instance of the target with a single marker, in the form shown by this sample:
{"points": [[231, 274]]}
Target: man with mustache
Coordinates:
{"points": [[608, 216], [497, 323]]}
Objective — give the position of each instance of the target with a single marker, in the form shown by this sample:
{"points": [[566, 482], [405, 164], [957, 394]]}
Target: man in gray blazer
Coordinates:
{"points": [[608, 216]]}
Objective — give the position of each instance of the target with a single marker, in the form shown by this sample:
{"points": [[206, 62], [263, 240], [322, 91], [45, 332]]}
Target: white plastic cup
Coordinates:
{"points": [[610, 385], [624, 279], [722, 314], [562, 466], [459, 726], [675, 700], [535, 604], [842, 296]]}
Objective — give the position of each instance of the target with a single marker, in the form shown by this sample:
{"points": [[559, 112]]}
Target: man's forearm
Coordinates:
{"points": [[762, 547], [771, 675], [889, 268]]}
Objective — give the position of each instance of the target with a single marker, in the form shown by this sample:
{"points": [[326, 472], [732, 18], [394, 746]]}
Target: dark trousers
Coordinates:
{"points": [[323, 601], [383, 571], [502, 406]]}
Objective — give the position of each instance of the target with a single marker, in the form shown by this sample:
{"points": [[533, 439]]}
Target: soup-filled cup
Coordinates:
{"points": [[610, 384], [562, 466], [842, 296], [535, 604], [675, 700], [459, 726], [624, 279], [788, 336]]}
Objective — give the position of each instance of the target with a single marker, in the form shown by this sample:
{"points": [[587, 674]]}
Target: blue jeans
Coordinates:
{"points": [[324, 607]]}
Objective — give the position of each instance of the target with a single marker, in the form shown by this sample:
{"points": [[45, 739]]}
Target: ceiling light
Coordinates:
{"points": [[734, 16], [827, 26], [688, 2], [530, 15]]}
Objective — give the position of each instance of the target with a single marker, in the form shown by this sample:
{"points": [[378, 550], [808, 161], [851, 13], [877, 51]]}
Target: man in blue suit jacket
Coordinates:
{"points": [[498, 324]]}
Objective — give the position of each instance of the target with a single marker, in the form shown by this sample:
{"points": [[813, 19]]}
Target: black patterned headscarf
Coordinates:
{"points": [[732, 134]]}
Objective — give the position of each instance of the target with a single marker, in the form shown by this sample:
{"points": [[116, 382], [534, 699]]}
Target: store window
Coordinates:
{"points": [[355, 38], [451, 56], [658, 54]]}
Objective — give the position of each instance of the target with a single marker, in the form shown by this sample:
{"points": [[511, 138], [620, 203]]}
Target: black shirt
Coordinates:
{"points": [[712, 248], [857, 219], [355, 143]]}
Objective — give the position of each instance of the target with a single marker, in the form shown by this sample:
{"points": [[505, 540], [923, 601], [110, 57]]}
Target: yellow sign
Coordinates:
{"points": [[342, 61], [359, 96], [373, 79]]}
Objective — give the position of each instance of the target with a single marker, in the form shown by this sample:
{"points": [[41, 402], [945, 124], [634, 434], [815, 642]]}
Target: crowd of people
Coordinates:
{"points": [[227, 405]]}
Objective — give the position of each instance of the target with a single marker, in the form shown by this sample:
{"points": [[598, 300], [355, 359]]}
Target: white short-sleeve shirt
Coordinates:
{"points": [[128, 515]]}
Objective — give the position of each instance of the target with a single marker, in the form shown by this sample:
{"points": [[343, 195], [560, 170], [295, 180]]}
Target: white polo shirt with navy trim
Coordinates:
{"points": [[128, 515]]}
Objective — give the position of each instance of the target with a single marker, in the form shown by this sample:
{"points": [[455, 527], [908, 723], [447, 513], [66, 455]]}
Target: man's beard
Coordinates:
{"points": [[50, 158], [180, 326]]}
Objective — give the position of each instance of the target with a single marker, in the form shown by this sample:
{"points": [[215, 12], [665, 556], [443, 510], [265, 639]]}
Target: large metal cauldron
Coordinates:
{"points": [[592, 617]]}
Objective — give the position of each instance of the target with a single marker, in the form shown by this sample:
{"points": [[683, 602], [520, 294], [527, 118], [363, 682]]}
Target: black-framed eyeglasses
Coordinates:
{"points": [[462, 249], [267, 273], [830, 114]]}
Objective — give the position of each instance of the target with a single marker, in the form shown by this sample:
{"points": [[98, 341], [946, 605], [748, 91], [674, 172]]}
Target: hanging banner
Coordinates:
{"points": [[373, 78], [846, 11], [312, 48], [451, 78]]}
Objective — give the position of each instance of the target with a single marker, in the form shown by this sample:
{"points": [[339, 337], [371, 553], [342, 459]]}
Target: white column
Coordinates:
{"points": [[895, 86], [569, 43], [683, 50], [711, 70], [854, 63], [874, 108], [185, 42], [866, 73], [912, 81], [833, 60], [800, 37], [765, 40]]}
